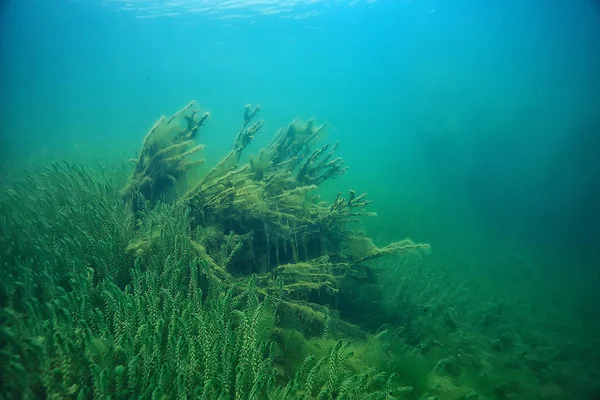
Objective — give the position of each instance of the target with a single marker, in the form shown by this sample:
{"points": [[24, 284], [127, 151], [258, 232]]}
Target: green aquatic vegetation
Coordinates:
{"points": [[263, 218], [166, 157], [328, 377], [146, 316], [243, 283], [161, 334]]}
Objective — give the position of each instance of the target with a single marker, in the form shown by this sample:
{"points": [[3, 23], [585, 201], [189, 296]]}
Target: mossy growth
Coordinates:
{"points": [[243, 283], [167, 156], [264, 217]]}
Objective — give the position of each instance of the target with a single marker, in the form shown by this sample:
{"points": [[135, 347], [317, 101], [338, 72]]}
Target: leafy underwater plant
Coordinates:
{"points": [[159, 292], [108, 292]]}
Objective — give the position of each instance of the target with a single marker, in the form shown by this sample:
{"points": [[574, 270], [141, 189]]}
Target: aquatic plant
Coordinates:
{"points": [[165, 159], [108, 292], [243, 283], [264, 217]]}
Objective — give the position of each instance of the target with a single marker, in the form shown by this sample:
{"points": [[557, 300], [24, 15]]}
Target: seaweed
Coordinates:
{"points": [[243, 283], [265, 217]]}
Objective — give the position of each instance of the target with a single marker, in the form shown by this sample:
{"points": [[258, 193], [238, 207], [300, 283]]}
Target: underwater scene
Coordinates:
{"points": [[311, 199]]}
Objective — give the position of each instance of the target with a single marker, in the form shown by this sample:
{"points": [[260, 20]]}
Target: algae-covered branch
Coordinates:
{"points": [[264, 216]]}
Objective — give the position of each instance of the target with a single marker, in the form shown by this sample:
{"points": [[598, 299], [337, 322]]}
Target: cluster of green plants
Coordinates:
{"points": [[494, 326], [83, 318], [242, 283]]}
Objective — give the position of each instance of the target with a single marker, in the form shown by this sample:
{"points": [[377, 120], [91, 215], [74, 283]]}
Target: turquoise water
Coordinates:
{"points": [[491, 105], [474, 126]]}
